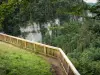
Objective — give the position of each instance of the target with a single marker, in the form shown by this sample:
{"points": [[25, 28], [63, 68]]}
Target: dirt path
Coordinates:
{"points": [[56, 67]]}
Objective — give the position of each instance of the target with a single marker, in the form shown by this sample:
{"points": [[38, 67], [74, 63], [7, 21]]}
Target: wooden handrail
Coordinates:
{"points": [[43, 49]]}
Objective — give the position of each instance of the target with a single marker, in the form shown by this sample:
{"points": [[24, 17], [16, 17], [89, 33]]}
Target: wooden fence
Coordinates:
{"points": [[43, 49]]}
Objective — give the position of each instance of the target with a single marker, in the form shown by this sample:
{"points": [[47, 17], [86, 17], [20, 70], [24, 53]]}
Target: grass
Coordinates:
{"points": [[16, 61]]}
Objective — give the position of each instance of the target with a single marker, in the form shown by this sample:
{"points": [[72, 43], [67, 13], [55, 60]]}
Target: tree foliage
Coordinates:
{"points": [[96, 10]]}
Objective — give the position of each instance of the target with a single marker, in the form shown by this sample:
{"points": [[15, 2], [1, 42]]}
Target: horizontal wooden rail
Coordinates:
{"points": [[46, 50]]}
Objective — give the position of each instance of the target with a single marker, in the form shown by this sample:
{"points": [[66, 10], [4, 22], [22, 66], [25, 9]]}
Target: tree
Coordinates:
{"points": [[9, 18], [96, 10]]}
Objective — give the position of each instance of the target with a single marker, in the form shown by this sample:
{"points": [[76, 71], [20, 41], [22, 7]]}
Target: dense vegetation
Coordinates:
{"points": [[15, 61], [78, 33]]}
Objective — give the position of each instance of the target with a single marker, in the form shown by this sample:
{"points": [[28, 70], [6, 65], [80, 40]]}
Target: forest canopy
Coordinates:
{"points": [[78, 33]]}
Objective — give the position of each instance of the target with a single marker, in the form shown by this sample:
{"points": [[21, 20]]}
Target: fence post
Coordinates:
{"points": [[68, 69], [45, 50], [34, 47], [5, 38], [17, 42], [25, 44]]}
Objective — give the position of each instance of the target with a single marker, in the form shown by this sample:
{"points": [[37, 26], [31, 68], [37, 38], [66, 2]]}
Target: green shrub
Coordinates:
{"points": [[87, 62]]}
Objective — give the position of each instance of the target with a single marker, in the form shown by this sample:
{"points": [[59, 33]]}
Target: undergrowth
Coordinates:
{"points": [[16, 61]]}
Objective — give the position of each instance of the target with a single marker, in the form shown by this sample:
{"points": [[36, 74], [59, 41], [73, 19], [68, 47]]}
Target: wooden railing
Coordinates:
{"points": [[43, 49]]}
